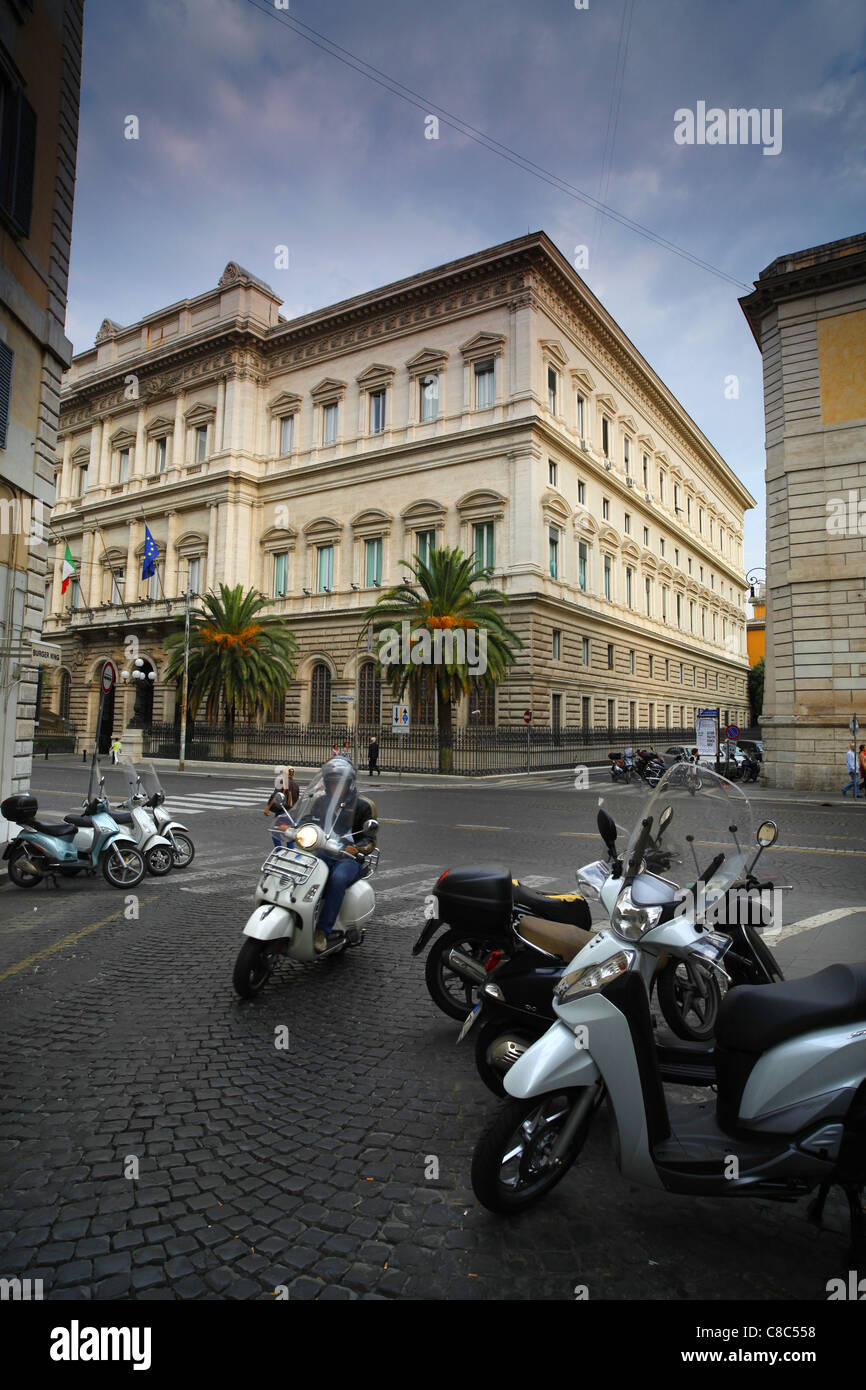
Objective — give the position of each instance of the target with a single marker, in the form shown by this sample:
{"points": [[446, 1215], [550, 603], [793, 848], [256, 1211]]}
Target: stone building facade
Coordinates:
{"points": [[808, 315], [490, 403], [40, 72]]}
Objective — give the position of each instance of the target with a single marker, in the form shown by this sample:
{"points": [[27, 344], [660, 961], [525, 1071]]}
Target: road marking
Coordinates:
{"points": [[820, 919], [394, 820], [481, 827], [69, 940]]}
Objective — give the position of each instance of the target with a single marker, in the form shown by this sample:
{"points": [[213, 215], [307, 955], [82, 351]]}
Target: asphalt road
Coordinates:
{"points": [[338, 1167]]}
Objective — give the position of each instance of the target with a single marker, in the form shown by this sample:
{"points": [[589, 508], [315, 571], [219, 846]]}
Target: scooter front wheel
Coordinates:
{"points": [[184, 851], [689, 997], [21, 876], [159, 860], [512, 1167], [123, 868], [254, 966]]}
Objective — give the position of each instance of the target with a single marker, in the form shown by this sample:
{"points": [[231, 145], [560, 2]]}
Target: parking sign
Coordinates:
{"points": [[400, 718]]}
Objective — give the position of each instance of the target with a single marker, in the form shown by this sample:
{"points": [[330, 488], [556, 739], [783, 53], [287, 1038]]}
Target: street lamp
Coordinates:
{"points": [[753, 581]]}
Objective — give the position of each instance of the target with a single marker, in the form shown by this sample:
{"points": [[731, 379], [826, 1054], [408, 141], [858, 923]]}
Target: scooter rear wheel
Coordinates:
{"points": [[448, 989], [184, 851], [20, 876], [509, 1172]]}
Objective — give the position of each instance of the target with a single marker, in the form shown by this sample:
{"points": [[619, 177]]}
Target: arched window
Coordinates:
{"points": [[320, 695], [369, 694], [65, 694], [424, 703]]}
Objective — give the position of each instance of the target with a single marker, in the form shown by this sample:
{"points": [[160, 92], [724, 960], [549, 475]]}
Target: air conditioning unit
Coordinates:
{"points": [[584, 445], [629, 482], [608, 465]]}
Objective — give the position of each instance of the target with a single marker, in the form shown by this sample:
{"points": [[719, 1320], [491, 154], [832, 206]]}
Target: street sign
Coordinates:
{"points": [[45, 653], [732, 732], [344, 699], [527, 716], [400, 719], [854, 724], [707, 732], [108, 678]]}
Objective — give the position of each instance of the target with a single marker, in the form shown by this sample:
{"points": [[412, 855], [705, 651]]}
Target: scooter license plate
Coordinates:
{"points": [[470, 1020]]}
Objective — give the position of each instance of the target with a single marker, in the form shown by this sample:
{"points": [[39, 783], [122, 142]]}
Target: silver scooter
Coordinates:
{"points": [[131, 815], [152, 798], [790, 1057]]}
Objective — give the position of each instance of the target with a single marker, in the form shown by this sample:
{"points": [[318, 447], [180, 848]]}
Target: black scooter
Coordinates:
{"points": [[515, 1003]]}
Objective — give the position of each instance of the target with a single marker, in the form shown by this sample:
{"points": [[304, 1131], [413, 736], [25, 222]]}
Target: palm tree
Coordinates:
{"points": [[237, 660], [445, 599]]}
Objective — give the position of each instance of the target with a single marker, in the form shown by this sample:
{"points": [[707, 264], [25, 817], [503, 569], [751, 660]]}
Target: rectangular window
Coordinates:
{"points": [[585, 712], [676, 497], [610, 656], [552, 384], [661, 486], [160, 454], [689, 510], [662, 546], [123, 465], [664, 605], [651, 664], [581, 494], [118, 577], [581, 416], [652, 715], [429, 397], [690, 564], [676, 555], [329, 424], [611, 714], [679, 611], [17, 154], [691, 616], [553, 547], [581, 565], [75, 594], [82, 481], [629, 596], [605, 509], [287, 434], [584, 650], [646, 472], [626, 455], [701, 520], [703, 622], [373, 562], [646, 536], [193, 574], [154, 586], [667, 716], [608, 587], [605, 436], [667, 669], [482, 544], [201, 443], [631, 663], [551, 472], [281, 574], [556, 711], [483, 384], [631, 714], [557, 644], [325, 568], [425, 541], [628, 523], [648, 590], [377, 412]]}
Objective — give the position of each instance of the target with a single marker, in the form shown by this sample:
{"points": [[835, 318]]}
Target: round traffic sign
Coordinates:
{"points": [[732, 731], [109, 676], [527, 716]]}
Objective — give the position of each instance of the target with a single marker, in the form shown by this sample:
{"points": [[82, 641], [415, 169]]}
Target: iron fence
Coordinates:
{"points": [[473, 751]]}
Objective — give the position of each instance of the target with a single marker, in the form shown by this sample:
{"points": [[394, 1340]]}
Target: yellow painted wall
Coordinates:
{"points": [[842, 366]]}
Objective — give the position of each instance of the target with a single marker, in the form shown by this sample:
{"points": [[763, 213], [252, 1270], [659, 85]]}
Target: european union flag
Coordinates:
{"points": [[151, 555]]}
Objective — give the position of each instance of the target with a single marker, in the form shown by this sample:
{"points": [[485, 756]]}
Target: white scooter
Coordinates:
{"points": [[292, 885], [155, 849], [152, 797], [790, 1058]]}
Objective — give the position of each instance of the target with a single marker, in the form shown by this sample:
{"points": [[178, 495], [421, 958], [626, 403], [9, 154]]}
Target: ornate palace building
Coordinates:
{"points": [[490, 403]]}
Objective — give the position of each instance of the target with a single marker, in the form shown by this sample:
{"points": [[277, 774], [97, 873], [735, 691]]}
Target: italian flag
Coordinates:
{"points": [[68, 570]]}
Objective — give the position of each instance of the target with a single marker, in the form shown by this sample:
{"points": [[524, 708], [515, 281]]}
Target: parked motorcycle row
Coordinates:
{"points": [[124, 841], [562, 1016], [646, 766]]}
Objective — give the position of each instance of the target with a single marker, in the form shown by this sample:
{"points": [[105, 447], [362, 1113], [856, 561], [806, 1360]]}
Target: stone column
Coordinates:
{"points": [[88, 581], [56, 596], [213, 518], [105, 456], [178, 441], [170, 582], [64, 491], [219, 422], [140, 468], [95, 454], [131, 583]]}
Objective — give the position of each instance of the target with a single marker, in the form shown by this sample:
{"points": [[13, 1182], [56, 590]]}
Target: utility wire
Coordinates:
{"points": [[471, 132], [613, 113]]}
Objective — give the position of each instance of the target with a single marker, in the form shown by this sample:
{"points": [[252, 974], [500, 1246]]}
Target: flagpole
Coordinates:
{"points": [[166, 601], [185, 684], [111, 568], [85, 604]]}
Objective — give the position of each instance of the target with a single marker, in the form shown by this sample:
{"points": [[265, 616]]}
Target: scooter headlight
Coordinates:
{"points": [[592, 977], [308, 836], [630, 920]]}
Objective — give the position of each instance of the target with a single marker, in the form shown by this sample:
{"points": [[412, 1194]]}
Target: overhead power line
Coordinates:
{"points": [[413, 98]]}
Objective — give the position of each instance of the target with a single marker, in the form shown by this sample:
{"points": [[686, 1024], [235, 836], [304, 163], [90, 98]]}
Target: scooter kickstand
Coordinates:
{"points": [[815, 1209]]}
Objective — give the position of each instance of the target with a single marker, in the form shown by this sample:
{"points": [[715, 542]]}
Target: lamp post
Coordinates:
{"points": [[753, 581]]}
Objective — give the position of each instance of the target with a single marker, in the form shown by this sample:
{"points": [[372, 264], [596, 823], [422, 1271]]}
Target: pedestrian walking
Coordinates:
{"points": [[373, 756], [116, 750], [851, 765], [861, 759]]}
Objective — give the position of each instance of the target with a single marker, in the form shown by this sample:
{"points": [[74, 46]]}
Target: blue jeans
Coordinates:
{"points": [[344, 872], [854, 781]]}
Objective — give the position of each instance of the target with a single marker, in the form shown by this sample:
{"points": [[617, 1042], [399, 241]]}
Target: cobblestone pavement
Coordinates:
{"points": [[338, 1167]]}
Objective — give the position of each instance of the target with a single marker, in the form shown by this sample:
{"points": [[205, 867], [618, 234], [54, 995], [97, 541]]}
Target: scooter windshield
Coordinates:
{"points": [[121, 781], [150, 783], [701, 831], [329, 801]]}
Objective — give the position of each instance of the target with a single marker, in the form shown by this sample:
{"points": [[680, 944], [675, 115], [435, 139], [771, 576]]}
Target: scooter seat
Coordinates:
{"points": [[558, 938], [60, 832], [571, 908], [79, 821], [754, 1018], [121, 817]]}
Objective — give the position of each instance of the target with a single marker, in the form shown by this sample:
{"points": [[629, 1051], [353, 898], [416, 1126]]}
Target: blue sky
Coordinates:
{"points": [[252, 137]]}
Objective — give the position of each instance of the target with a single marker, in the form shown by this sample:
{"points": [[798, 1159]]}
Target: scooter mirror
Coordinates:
{"points": [[665, 818], [279, 801], [371, 825], [767, 833], [606, 828]]}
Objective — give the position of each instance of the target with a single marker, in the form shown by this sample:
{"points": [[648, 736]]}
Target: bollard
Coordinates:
{"points": [[84, 755]]}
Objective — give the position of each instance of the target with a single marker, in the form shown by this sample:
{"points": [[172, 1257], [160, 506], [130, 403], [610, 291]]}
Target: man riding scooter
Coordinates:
{"points": [[338, 805]]}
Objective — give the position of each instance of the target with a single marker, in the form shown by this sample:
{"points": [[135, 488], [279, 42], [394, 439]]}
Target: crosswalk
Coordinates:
{"points": [[214, 872], [220, 799]]}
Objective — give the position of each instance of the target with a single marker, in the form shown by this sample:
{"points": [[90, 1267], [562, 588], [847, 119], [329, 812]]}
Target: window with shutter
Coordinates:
{"points": [[6, 356], [17, 155]]}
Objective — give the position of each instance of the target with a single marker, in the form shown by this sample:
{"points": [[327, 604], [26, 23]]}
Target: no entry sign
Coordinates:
{"points": [[109, 676], [527, 716]]}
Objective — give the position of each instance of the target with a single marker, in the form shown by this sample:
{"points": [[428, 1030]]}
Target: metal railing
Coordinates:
{"points": [[471, 752]]}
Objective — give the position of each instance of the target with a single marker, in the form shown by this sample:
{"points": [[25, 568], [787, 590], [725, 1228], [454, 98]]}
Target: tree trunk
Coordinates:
{"points": [[443, 714]]}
